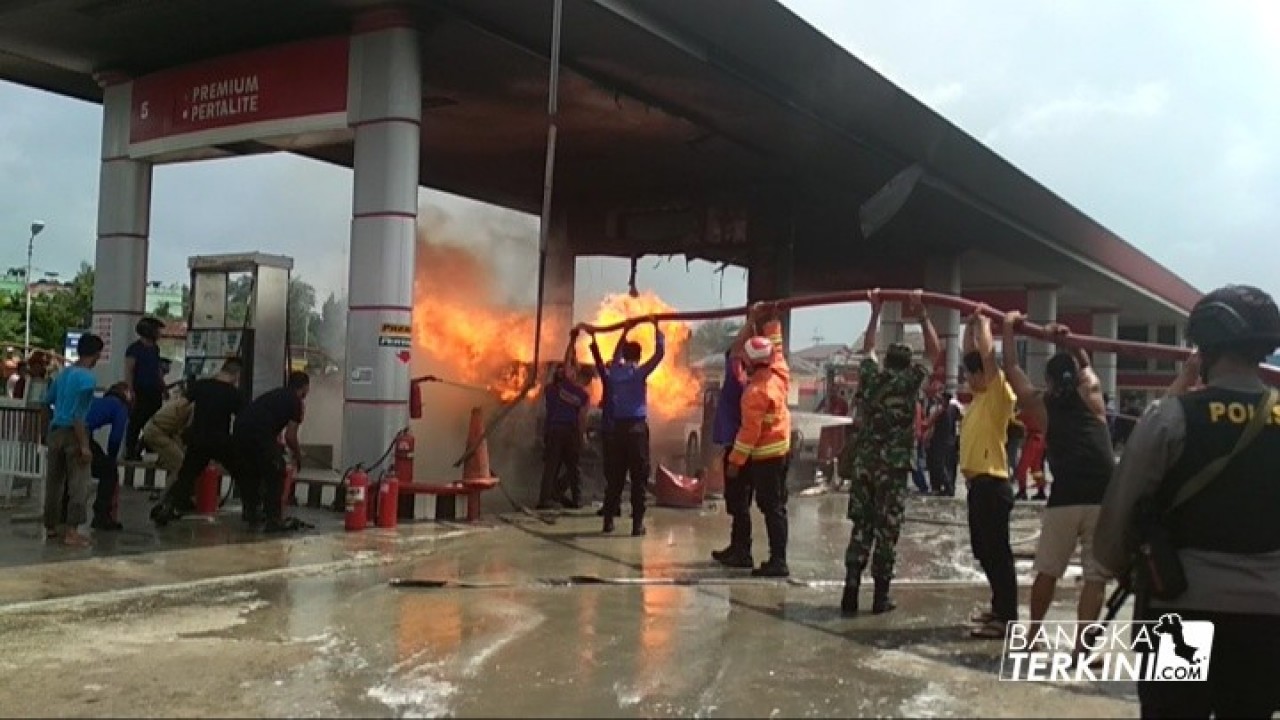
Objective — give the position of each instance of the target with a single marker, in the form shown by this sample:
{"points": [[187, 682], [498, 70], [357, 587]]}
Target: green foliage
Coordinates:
{"points": [[11, 318], [54, 313]]}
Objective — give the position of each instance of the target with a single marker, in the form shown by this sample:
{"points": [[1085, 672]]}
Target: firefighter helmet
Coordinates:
{"points": [[1233, 316], [759, 350]]}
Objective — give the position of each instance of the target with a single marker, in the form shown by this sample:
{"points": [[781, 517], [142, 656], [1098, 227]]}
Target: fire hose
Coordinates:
{"points": [[1087, 342], [1091, 343]]}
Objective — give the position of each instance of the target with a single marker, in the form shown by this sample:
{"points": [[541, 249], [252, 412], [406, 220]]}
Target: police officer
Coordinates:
{"points": [[1226, 534], [886, 446], [762, 321]]}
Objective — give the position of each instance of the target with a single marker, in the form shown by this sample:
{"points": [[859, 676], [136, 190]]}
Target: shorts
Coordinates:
{"points": [[1061, 529]]}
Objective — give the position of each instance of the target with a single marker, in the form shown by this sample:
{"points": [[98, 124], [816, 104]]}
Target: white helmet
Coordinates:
{"points": [[759, 350]]}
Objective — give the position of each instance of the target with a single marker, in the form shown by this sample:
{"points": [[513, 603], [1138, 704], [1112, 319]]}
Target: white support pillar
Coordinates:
{"points": [[557, 301], [891, 326], [1042, 308], [385, 108], [942, 275], [124, 224], [1106, 324], [1179, 339]]}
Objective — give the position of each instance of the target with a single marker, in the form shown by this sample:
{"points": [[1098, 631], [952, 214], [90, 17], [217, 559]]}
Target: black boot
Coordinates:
{"points": [[881, 602], [637, 527], [734, 557], [849, 600], [773, 568], [608, 523], [161, 514]]}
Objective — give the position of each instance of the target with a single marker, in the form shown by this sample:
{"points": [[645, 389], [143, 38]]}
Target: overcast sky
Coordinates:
{"points": [[1159, 119]]}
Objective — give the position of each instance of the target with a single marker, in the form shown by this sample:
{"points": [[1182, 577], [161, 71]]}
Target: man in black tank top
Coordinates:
{"points": [[1226, 535], [1073, 413]]}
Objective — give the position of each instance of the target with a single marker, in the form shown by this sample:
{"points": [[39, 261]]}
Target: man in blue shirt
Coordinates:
{"points": [[607, 456], [70, 453], [566, 403], [724, 430], [627, 380], [145, 380], [110, 410]]}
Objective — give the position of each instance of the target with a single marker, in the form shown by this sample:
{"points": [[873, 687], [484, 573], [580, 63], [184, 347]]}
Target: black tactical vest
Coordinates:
{"points": [[1239, 511]]}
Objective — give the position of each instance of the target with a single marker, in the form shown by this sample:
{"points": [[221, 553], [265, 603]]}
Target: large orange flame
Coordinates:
{"points": [[467, 336], [673, 388]]}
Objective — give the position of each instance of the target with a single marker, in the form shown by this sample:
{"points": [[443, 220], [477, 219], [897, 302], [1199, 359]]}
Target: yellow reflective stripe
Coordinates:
{"points": [[775, 448], [743, 448]]}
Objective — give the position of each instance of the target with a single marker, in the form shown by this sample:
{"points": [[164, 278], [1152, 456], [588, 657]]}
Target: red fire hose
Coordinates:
{"points": [[1091, 343], [1087, 342]]}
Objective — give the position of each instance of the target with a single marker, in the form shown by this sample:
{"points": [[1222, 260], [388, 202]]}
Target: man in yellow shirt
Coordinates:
{"points": [[985, 466]]}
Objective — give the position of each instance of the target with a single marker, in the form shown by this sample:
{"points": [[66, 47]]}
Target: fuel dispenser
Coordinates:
{"points": [[260, 339]]}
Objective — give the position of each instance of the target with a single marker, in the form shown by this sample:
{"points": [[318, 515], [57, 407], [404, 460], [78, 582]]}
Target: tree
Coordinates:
{"points": [[11, 318], [302, 312], [70, 308], [303, 319], [331, 330], [712, 337]]}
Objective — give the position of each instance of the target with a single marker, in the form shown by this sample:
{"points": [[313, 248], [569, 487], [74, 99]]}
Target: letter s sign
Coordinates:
{"points": [[144, 110]]}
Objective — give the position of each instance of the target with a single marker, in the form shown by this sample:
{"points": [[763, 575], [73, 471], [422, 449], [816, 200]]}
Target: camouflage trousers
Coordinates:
{"points": [[877, 499]]}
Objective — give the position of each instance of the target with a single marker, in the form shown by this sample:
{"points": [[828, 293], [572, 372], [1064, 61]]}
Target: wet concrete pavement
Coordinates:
{"points": [[212, 620]]}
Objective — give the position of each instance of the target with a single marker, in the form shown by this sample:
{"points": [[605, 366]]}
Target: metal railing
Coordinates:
{"points": [[22, 451]]}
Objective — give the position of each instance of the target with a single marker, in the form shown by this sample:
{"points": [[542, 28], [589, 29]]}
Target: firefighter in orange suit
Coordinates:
{"points": [[762, 449]]}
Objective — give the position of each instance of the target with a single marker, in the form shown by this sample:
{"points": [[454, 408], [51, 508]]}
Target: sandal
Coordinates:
{"points": [[993, 630], [75, 539]]}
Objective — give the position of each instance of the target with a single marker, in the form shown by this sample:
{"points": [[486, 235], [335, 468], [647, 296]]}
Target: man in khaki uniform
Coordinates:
{"points": [[163, 433]]}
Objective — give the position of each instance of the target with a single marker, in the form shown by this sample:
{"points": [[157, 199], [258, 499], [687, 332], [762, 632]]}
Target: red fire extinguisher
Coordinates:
{"points": [[357, 497], [207, 490], [388, 500], [404, 457]]}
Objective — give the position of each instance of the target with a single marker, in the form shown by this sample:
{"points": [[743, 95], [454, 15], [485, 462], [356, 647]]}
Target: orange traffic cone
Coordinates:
{"points": [[476, 466], [475, 471]]}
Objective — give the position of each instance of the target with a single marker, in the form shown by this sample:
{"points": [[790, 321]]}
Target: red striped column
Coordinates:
{"points": [[385, 109], [124, 223]]}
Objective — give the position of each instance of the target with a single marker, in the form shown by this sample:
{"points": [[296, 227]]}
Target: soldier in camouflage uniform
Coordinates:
{"points": [[883, 457]]}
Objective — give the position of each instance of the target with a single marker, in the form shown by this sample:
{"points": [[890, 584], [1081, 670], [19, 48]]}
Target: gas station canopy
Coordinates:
{"points": [[671, 114]]}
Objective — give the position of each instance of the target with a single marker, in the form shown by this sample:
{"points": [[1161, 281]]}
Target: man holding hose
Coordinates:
{"points": [[738, 490], [884, 454]]}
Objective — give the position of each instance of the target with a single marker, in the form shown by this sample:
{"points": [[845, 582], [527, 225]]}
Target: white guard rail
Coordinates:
{"points": [[22, 454]]}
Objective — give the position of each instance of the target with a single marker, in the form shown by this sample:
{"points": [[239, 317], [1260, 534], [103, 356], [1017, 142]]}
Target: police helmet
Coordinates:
{"points": [[1235, 316]]}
